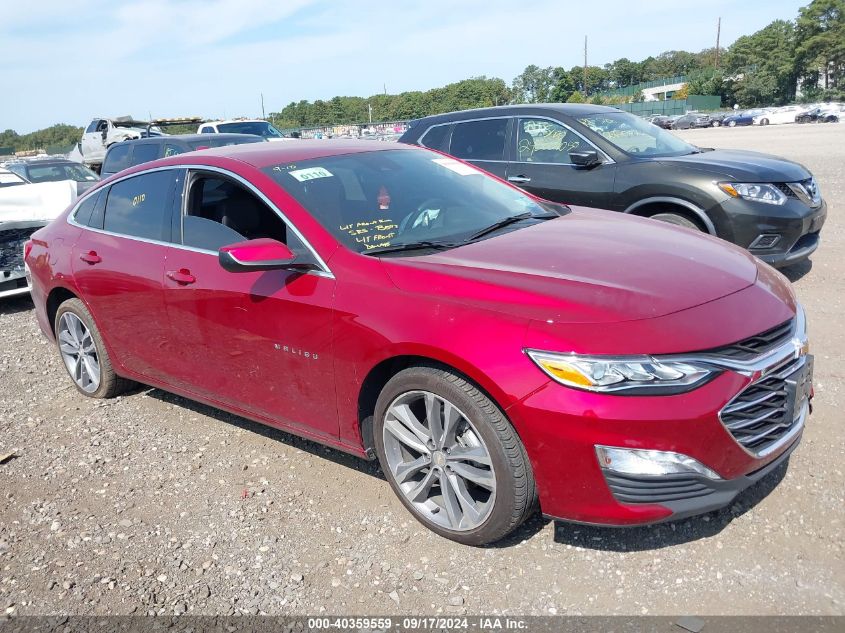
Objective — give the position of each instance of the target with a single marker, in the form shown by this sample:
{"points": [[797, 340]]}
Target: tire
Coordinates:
{"points": [[106, 384], [731, 123], [764, 121], [480, 428], [717, 123], [676, 219]]}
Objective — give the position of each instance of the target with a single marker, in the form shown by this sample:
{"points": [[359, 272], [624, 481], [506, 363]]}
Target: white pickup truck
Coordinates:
{"points": [[102, 133]]}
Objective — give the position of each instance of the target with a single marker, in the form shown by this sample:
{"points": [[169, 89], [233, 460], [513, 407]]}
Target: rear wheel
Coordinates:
{"points": [[731, 123], [452, 457], [84, 354], [764, 121]]}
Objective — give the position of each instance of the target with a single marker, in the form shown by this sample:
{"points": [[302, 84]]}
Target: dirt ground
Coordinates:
{"points": [[152, 504]]}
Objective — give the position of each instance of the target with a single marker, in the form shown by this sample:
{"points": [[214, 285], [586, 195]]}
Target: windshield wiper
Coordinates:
{"points": [[414, 246], [513, 219]]}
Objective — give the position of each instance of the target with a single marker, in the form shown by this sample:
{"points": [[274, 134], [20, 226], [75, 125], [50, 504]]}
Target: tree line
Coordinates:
{"points": [[768, 67]]}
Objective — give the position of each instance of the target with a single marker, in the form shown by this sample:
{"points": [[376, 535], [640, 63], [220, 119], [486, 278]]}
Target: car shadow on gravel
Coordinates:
{"points": [[651, 537], [15, 305], [796, 271], [318, 450]]}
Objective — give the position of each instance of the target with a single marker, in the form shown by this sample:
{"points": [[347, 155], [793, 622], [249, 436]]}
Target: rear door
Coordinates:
{"points": [[482, 142], [259, 342], [118, 265], [542, 166]]}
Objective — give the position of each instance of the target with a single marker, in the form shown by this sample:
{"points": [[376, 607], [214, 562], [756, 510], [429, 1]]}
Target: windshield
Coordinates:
{"points": [[259, 128], [53, 173], [372, 201], [636, 136]]}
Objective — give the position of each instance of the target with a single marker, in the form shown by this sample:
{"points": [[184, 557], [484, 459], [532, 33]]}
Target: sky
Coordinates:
{"points": [[214, 58]]}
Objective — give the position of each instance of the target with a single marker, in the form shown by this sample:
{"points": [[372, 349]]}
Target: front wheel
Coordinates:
{"points": [[677, 220], [452, 457], [731, 123], [764, 121]]}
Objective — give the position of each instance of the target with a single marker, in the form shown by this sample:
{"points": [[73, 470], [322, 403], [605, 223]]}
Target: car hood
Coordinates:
{"points": [[742, 166], [589, 266]]}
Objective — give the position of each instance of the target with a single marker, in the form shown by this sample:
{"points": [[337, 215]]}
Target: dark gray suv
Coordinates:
{"points": [[596, 156]]}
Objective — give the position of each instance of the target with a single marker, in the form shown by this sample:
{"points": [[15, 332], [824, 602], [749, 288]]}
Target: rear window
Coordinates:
{"points": [[479, 140], [117, 158], [437, 138], [144, 153], [139, 206]]}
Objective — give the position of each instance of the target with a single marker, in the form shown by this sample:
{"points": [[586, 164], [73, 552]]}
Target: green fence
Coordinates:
{"points": [[672, 106], [630, 91]]}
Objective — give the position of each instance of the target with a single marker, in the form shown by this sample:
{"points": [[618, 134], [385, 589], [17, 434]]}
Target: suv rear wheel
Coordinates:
{"points": [[452, 457]]}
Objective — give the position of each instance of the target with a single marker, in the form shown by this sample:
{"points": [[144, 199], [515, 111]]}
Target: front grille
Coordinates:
{"points": [[753, 346], [764, 412], [644, 489], [11, 247], [786, 189]]}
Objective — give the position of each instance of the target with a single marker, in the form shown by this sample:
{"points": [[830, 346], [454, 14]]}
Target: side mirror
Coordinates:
{"points": [[255, 255], [587, 158]]}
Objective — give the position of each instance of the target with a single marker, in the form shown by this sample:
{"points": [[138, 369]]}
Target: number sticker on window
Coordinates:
{"points": [[311, 173]]}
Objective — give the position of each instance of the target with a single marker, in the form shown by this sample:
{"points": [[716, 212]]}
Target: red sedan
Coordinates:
{"points": [[490, 349]]}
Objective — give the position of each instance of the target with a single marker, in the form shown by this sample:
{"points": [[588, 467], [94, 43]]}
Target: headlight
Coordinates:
{"points": [[637, 375], [768, 194]]}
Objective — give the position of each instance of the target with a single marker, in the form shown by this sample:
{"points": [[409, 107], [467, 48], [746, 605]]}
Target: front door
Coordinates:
{"points": [[259, 341], [93, 147], [118, 265], [541, 165]]}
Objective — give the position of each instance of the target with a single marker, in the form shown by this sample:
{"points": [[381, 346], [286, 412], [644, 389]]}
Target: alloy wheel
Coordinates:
{"points": [[439, 461], [79, 352]]}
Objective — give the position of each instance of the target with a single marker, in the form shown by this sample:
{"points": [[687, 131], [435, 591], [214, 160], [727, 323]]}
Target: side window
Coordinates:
{"points": [[117, 158], [102, 125], [479, 140], [207, 130], [92, 127], [144, 153], [437, 138], [544, 141], [85, 210], [140, 206], [220, 211]]}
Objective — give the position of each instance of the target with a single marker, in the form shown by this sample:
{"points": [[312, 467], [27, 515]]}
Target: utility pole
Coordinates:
{"points": [[263, 116], [585, 67], [370, 111], [718, 33]]}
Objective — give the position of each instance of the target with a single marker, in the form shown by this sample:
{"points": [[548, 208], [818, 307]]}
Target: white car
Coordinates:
{"points": [[243, 126], [102, 133], [25, 208], [777, 116]]}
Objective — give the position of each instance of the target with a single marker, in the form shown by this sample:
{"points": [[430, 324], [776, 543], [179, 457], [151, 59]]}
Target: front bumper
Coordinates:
{"points": [[797, 225], [566, 425]]}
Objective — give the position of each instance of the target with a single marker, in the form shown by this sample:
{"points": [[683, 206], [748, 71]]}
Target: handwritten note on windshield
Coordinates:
{"points": [[371, 233]]}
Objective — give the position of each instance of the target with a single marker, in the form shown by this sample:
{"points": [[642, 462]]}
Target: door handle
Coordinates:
{"points": [[91, 257], [182, 276], [519, 179]]}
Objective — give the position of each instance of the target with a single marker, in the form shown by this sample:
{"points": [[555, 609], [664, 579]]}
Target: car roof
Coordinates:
{"points": [[260, 155], [193, 137], [565, 109]]}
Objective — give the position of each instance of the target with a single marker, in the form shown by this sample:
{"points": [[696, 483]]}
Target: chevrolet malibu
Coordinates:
{"points": [[493, 351]]}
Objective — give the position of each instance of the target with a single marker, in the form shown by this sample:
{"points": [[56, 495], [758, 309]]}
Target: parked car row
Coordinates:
{"points": [[817, 113]]}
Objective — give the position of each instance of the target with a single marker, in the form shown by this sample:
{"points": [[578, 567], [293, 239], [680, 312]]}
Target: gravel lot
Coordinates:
{"points": [[152, 504]]}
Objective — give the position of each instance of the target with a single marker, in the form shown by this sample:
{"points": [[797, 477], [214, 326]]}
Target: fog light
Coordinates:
{"points": [[643, 462], [767, 240]]}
